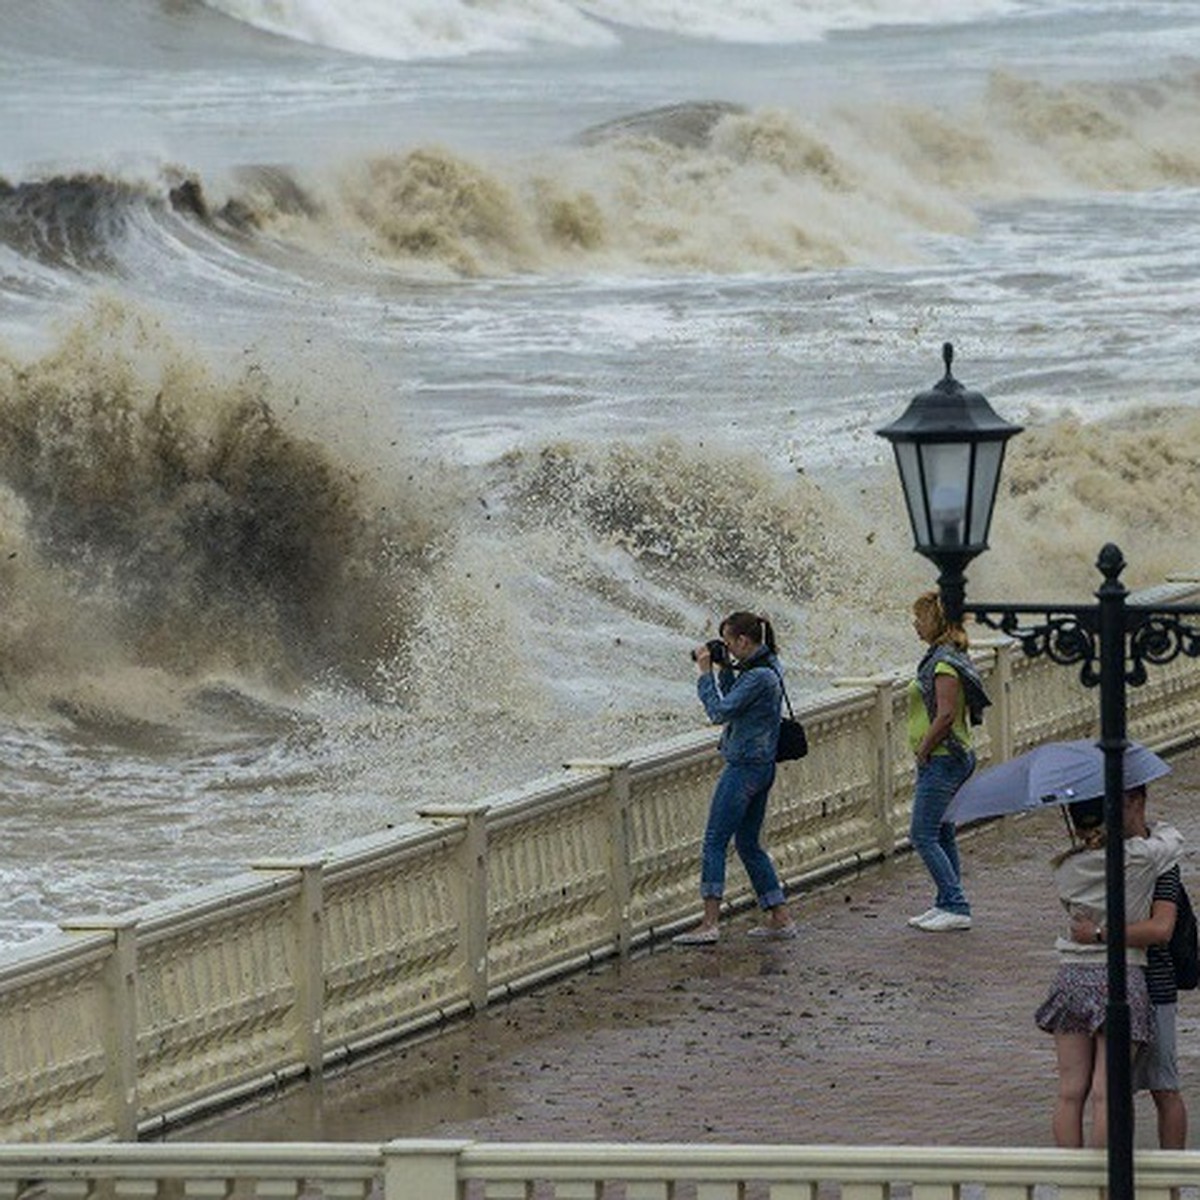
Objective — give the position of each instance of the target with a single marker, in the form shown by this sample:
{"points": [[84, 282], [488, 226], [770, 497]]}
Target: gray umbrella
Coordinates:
{"points": [[1056, 773]]}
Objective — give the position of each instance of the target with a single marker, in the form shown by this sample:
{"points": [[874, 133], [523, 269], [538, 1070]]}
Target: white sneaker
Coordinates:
{"points": [[943, 919], [918, 921]]}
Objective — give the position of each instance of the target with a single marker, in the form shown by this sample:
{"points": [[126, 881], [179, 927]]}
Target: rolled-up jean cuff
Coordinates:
{"points": [[711, 891], [773, 899]]}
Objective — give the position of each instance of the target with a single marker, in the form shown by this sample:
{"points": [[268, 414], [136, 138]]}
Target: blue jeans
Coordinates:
{"points": [[933, 839], [738, 807]]}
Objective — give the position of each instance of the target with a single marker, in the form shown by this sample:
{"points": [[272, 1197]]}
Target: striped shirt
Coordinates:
{"points": [[1160, 972]]}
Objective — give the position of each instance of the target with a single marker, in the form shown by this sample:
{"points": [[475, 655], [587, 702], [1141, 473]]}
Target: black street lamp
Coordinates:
{"points": [[949, 446], [950, 439]]}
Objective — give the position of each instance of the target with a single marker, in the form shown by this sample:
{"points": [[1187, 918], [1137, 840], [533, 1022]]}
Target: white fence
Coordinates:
{"points": [[426, 1170], [127, 1025]]}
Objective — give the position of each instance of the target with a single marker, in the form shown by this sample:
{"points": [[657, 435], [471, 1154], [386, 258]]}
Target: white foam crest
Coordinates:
{"points": [[770, 21], [767, 193], [416, 29], [682, 188]]}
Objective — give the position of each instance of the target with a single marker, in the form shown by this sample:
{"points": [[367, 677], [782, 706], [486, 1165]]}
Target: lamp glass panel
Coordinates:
{"points": [[988, 458], [908, 463], [947, 487]]}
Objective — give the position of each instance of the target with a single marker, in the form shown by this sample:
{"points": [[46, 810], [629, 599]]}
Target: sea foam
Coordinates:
{"points": [[420, 29]]}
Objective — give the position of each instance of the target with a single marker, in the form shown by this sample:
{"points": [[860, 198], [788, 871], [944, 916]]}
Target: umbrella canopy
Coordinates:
{"points": [[1056, 773]]}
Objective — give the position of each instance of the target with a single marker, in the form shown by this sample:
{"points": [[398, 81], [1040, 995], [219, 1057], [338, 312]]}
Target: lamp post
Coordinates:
{"points": [[949, 447]]}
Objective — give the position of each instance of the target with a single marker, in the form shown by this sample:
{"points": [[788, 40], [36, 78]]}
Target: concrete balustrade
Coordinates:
{"points": [[128, 1024], [460, 1170]]}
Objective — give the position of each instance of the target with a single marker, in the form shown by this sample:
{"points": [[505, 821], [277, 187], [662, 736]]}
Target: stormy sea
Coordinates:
{"points": [[391, 394]]}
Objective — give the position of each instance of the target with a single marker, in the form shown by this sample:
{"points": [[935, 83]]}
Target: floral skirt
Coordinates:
{"points": [[1079, 997]]}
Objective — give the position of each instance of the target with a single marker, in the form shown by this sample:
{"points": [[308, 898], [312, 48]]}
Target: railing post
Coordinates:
{"points": [[120, 1025], [882, 727], [999, 717], [619, 866], [308, 917], [473, 890], [421, 1170]]}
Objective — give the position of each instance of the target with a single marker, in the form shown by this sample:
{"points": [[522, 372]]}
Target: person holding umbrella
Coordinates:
{"points": [[1075, 1009], [1073, 774], [944, 700]]}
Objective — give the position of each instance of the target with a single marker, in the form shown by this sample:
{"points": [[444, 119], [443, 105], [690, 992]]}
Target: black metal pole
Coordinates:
{"points": [[1113, 742], [952, 582]]}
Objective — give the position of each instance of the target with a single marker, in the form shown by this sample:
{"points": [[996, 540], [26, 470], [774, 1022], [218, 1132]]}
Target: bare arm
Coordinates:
{"points": [[1155, 930]]}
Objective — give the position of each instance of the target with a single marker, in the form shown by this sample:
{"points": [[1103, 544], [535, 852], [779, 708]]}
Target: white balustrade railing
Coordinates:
{"points": [[130, 1024], [451, 1170]]}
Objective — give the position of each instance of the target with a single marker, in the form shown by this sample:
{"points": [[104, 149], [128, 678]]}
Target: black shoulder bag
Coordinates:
{"points": [[793, 741]]}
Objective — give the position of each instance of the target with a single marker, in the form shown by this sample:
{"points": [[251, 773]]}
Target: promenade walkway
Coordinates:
{"points": [[862, 1030]]}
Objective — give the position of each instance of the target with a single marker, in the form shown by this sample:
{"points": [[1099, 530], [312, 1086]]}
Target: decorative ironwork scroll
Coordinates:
{"points": [[1068, 635]]}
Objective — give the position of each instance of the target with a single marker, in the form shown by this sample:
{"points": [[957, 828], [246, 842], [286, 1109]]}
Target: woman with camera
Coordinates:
{"points": [[745, 697]]}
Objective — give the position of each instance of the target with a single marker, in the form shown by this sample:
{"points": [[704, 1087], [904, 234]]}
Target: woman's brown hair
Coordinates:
{"points": [[757, 629], [947, 633], [1085, 819]]}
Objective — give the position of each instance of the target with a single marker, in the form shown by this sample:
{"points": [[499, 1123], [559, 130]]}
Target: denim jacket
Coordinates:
{"points": [[747, 702]]}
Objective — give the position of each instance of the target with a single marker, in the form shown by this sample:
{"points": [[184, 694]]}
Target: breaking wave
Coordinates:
{"points": [[626, 552], [704, 186], [416, 29], [178, 549], [74, 221], [710, 187], [153, 515], [85, 221]]}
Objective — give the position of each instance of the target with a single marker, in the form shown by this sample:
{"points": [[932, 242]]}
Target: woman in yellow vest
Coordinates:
{"points": [[944, 700]]}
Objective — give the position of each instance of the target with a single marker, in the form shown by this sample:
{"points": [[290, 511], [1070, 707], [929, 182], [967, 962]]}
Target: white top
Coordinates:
{"points": [[1080, 882]]}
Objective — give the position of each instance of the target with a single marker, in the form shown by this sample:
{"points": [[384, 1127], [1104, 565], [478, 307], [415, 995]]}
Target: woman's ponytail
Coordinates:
{"points": [[754, 626]]}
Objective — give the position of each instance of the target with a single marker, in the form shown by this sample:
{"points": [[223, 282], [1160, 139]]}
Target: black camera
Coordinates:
{"points": [[716, 648]]}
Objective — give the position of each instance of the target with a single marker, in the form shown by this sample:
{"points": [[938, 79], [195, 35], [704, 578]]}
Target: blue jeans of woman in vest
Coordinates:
{"points": [[932, 838]]}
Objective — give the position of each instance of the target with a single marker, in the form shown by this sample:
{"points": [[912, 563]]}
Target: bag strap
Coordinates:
{"points": [[782, 688]]}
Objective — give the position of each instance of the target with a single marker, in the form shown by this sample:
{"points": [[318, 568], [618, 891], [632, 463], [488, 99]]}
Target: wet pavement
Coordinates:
{"points": [[861, 1030]]}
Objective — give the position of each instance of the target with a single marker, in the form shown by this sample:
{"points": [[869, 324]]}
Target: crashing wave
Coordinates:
{"points": [[153, 514], [416, 29]]}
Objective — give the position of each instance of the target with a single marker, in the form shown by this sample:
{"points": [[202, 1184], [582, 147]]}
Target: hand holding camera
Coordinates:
{"points": [[713, 652]]}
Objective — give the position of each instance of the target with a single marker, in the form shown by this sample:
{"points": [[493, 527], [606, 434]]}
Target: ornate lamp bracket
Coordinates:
{"points": [[1067, 636], [1070, 636], [1156, 636]]}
